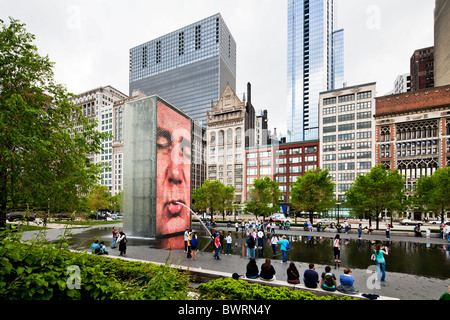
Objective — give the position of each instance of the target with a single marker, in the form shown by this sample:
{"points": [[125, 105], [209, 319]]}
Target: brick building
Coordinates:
{"points": [[413, 133], [282, 163]]}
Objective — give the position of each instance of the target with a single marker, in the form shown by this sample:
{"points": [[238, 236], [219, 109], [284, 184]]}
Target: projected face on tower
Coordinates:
{"points": [[173, 171]]}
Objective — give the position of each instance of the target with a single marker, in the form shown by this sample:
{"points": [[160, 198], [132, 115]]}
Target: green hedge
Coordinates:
{"points": [[39, 271], [230, 289]]}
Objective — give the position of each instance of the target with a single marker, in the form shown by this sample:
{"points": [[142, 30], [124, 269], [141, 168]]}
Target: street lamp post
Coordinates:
{"points": [[338, 204]]}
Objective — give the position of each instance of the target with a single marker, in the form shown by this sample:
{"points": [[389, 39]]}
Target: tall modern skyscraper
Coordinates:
{"points": [[315, 64], [189, 68]]}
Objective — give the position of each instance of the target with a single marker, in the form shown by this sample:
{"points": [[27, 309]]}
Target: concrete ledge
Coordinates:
{"points": [[204, 275]]}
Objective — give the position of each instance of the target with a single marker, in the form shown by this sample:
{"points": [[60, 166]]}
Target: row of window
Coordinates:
{"points": [[347, 156], [348, 166], [347, 107]]}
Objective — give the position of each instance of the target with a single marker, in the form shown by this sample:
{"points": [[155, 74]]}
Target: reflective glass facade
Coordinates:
{"points": [[311, 61], [189, 67]]}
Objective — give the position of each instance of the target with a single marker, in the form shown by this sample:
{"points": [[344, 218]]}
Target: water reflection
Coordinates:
{"points": [[422, 259]]}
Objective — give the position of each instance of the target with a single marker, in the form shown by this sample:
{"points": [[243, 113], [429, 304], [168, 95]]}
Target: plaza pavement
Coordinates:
{"points": [[397, 285]]}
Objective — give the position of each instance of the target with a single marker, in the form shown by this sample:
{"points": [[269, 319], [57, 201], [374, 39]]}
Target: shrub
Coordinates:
{"points": [[230, 289]]}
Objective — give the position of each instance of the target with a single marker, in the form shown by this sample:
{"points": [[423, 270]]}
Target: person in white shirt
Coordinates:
{"points": [[229, 242], [274, 243]]}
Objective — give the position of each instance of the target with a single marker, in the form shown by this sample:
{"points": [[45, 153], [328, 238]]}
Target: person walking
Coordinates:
{"points": [[380, 261], [114, 235], [122, 239], [260, 236], [337, 249], [217, 246], [284, 247]]}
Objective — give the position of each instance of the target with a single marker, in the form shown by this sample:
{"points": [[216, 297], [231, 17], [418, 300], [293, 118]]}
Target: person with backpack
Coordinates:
{"points": [[250, 241], [328, 282], [284, 247]]}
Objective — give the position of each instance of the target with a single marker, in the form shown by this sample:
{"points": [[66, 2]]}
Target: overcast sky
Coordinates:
{"points": [[89, 41]]}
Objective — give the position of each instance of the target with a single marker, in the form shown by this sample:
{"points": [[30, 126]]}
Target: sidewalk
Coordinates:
{"points": [[398, 285]]}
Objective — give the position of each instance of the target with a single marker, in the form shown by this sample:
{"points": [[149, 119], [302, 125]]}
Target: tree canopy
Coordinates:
{"points": [[379, 190], [264, 196], [314, 192], [433, 192], [213, 196], [44, 139]]}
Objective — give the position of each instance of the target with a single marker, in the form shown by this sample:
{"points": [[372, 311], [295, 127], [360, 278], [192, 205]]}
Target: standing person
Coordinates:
{"points": [[260, 243], [194, 243], [337, 249], [274, 242], [359, 231], [122, 239], [250, 241], [311, 277], [428, 233], [217, 246], [221, 241], [186, 235], [284, 247], [229, 241], [380, 261], [272, 225], [388, 231], [114, 235], [267, 271], [293, 276], [189, 244], [237, 226]]}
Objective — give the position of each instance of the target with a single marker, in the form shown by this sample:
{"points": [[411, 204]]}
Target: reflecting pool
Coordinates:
{"points": [[420, 259]]}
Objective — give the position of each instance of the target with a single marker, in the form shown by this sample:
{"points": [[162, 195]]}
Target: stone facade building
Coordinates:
{"points": [[413, 133], [230, 126]]}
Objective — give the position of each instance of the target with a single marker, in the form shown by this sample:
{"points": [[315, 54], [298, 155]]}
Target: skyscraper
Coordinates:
{"points": [[189, 68], [315, 64]]}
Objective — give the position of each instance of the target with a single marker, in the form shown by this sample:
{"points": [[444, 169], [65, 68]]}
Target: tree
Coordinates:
{"points": [[314, 192], [212, 196], [263, 197], [99, 198], [43, 159], [433, 192], [377, 191]]}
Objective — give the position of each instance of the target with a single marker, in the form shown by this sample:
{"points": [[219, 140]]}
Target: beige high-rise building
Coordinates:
{"points": [[441, 43], [229, 130]]}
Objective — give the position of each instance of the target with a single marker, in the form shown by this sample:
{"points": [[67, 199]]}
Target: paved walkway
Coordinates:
{"points": [[397, 285]]}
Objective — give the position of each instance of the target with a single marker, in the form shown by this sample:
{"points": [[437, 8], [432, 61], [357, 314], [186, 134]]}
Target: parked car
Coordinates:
{"points": [[407, 222], [439, 222], [279, 217], [13, 216]]}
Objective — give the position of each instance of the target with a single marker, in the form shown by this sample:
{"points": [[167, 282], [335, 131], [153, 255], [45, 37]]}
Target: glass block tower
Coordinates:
{"points": [[315, 64], [189, 68]]}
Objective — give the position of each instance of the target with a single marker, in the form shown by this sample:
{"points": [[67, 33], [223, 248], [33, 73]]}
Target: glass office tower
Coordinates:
{"points": [[313, 65], [189, 67]]}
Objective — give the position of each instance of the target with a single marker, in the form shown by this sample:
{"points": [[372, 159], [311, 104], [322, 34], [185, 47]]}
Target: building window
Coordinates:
{"points": [[198, 37], [364, 95]]}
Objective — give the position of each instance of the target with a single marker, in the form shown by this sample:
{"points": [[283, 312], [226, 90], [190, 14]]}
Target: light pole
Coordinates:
{"points": [[338, 204]]}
